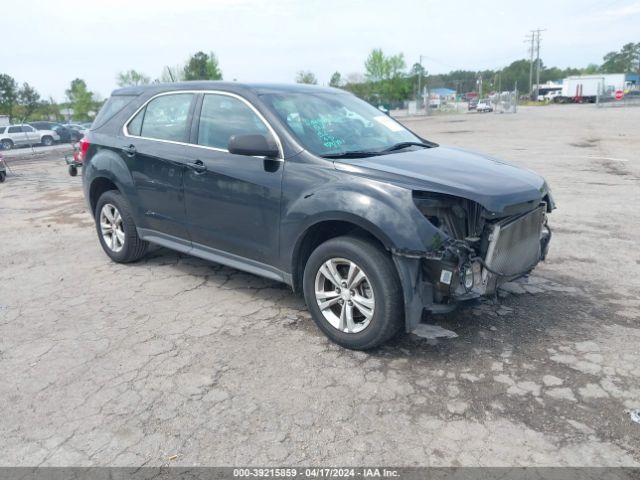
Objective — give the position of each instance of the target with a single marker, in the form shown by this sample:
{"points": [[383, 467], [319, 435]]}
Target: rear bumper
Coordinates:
{"points": [[438, 283]]}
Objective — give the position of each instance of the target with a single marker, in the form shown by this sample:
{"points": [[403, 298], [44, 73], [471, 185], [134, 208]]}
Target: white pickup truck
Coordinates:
{"points": [[15, 135]]}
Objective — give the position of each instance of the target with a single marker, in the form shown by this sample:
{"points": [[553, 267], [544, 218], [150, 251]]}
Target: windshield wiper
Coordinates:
{"points": [[352, 154], [401, 145]]}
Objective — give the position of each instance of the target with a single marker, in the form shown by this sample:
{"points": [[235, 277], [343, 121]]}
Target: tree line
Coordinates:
{"points": [[386, 79], [23, 103]]}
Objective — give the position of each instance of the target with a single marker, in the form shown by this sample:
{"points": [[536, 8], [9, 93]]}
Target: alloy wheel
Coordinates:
{"points": [[344, 295], [112, 228]]}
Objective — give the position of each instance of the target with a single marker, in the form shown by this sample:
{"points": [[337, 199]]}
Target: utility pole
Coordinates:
{"points": [[420, 82], [535, 37], [530, 38]]}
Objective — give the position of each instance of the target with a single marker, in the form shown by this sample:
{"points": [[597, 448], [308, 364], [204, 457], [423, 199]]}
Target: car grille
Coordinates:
{"points": [[514, 245]]}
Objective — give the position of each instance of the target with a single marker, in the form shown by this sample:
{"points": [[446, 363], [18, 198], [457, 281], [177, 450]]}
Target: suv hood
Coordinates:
{"points": [[492, 183]]}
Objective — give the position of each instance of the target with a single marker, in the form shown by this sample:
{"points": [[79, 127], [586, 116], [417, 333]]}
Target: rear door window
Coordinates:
{"points": [[14, 130], [223, 116], [164, 118]]}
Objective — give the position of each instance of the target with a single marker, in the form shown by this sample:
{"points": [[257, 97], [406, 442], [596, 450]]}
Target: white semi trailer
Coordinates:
{"points": [[586, 88]]}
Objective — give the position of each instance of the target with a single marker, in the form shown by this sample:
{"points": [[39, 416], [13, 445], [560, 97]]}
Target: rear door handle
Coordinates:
{"points": [[197, 166], [129, 150]]}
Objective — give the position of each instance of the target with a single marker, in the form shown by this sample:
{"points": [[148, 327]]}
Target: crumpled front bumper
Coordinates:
{"points": [[438, 282]]}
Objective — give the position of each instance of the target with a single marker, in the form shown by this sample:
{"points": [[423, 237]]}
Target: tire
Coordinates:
{"points": [[47, 141], [128, 247], [7, 144], [380, 289], [73, 171], [3, 175]]}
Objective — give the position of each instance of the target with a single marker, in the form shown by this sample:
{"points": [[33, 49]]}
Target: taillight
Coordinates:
{"points": [[84, 148]]}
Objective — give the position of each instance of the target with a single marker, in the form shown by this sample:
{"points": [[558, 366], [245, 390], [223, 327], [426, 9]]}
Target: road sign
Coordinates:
{"points": [[619, 95]]}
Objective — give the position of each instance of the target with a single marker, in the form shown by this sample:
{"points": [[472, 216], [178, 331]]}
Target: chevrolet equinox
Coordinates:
{"points": [[315, 188]]}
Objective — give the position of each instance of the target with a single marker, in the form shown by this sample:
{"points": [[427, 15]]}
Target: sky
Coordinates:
{"points": [[48, 44]]}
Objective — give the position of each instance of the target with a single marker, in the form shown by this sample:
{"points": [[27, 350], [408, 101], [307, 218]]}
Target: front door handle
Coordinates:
{"points": [[129, 150], [197, 166]]}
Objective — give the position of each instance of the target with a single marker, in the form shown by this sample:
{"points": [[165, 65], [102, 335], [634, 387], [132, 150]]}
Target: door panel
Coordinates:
{"points": [[158, 171], [154, 151], [31, 133], [232, 201], [234, 205]]}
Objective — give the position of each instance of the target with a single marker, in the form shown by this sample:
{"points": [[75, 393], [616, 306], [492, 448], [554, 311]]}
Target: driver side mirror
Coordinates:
{"points": [[254, 145]]}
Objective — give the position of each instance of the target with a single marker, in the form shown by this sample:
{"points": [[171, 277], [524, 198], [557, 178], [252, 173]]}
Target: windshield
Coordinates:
{"points": [[330, 123]]}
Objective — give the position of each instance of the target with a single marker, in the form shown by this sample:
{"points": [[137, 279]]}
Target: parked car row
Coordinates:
{"points": [[40, 133]]}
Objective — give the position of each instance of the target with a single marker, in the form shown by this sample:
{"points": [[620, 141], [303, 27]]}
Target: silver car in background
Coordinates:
{"points": [[17, 135]]}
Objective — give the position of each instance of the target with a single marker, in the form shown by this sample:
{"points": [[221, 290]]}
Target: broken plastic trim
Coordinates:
{"points": [[404, 252]]}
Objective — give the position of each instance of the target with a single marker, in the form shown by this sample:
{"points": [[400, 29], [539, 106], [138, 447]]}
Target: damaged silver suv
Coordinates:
{"points": [[317, 189]]}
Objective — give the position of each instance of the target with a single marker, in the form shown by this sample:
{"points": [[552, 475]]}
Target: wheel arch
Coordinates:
{"points": [[106, 171], [98, 186], [326, 228]]}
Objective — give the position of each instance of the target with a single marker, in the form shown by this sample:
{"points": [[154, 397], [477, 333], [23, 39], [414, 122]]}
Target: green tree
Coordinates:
{"points": [[306, 77], [28, 99], [202, 67], [132, 78], [389, 83], [8, 95], [47, 109], [376, 66], [590, 69], [380, 67], [517, 73], [80, 99], [417, 69], [397, 65], [336, 80], [624, 61]]}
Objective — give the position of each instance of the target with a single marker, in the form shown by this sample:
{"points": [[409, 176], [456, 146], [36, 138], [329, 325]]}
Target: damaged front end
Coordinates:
{"points": [[472, 252]]}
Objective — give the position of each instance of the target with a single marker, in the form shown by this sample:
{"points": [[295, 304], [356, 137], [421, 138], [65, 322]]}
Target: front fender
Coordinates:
{"points": [[384, 210]]}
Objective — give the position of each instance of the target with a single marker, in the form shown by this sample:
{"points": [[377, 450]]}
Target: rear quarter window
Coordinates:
{"points": [[111, 107]]}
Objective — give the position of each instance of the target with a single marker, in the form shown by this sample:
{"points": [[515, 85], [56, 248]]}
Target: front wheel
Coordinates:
{"points": [[353, 292], [47, 141], [3, 175], [7, 144]]}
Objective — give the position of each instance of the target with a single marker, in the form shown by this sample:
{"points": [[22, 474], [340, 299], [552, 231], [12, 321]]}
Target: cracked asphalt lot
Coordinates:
{"points": [[177, 361]]}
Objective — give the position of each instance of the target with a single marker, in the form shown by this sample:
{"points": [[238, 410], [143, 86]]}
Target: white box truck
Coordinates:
{"points": [[586, 88]]}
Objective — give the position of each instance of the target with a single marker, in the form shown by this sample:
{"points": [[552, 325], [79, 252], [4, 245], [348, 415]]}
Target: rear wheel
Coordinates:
{"points": [[353, 292], [117, 230], [73, 170]]}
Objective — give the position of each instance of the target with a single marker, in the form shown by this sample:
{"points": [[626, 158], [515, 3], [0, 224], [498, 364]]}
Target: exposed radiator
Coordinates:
{"points": [[514, 244]]}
